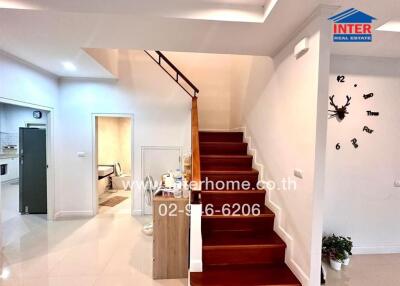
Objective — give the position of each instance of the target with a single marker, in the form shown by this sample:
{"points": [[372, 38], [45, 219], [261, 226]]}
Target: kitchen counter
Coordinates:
{"points": [[11, 162]]}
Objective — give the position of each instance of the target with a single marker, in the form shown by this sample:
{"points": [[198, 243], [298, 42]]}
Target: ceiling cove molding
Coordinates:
{"points": [[321, 11]]}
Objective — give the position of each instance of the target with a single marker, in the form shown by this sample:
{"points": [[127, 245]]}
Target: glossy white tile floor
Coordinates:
{"points": [[9, 201], [108, 250], [367, 270]]}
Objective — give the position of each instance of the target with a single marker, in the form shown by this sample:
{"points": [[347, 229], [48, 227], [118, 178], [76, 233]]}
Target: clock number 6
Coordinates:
{"points": [[338, 146]]}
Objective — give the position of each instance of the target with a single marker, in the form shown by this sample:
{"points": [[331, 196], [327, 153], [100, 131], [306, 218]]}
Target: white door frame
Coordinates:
{"points": [[143, 149], [95, 204], [51, 193]]}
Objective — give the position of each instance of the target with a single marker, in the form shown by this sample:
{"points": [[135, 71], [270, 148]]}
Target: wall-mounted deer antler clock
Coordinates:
{"points": [[341, 107]]}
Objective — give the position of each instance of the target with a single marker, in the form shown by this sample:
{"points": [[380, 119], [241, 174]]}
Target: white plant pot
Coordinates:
{"points": [[336, 265], [346, 262]]}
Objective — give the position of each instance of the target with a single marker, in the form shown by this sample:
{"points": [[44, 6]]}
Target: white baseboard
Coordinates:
{"points": [[196, 239], [72, 214], [216, 129], [196, 266], [379, 249], [278, 228], [252, 151], [137, 212]]}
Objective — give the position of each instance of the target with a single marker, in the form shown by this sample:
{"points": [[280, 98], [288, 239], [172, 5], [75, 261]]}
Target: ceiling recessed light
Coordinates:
{"points": [[69, 66], [391, 26], [14, 4]]}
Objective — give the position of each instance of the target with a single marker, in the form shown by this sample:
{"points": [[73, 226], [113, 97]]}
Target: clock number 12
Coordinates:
{"points": [[340, 78]]}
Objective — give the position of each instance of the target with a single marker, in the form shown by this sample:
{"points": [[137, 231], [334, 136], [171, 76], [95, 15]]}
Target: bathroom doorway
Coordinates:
{"points": [[113, 168]]}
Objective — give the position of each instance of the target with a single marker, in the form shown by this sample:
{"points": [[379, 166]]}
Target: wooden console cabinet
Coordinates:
{"points": [[170, 238]]}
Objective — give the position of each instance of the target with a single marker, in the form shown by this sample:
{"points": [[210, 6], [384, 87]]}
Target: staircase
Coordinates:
{"points": [[239, 244]]}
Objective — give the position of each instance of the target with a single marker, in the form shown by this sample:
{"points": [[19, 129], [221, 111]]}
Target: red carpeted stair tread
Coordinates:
{"points": [[241, 275], [230, 172], [226, 162], [223, 148], [264, 212], [241, 239], [220, 136]]}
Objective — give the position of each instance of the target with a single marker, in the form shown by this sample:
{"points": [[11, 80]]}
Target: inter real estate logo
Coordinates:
{"points": [[352, 25]]}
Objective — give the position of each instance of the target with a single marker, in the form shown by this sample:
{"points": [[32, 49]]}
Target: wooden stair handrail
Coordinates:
{"points": [[196, 173], [196, 240], [178, 74]]}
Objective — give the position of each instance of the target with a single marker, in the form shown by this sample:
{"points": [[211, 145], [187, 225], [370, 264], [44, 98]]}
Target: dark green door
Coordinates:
{"points": [[32, 171]]}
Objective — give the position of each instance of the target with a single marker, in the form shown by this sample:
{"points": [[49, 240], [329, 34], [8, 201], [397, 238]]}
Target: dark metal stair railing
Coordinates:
{"points": [[160, 58]]}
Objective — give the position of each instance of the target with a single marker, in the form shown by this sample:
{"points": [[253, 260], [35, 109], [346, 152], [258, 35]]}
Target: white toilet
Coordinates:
{"points": [[120, 181]]}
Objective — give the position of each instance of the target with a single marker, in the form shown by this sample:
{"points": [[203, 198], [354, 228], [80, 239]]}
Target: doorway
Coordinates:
{"points": [[24, 157], [113, 168]]}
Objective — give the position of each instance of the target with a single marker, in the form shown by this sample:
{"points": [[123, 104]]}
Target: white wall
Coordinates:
{"points": [[2, 116], [160, 107], [211, 73], [13, 117], [26, 84], [22, 84], [161, 118], [361, 200], [278, 104]]}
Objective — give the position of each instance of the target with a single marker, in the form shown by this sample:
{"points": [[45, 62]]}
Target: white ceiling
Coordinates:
{"points": [[159, 8], [240, 2], [234, 2], [48, 32]]}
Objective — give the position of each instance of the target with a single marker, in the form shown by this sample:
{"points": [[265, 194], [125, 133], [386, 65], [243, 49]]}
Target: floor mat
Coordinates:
{"points": [[112, 202]]}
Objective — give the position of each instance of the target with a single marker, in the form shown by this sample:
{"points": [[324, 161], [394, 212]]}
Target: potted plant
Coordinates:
{"points": [[334, 248], [348, 247], [336, 258]]}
